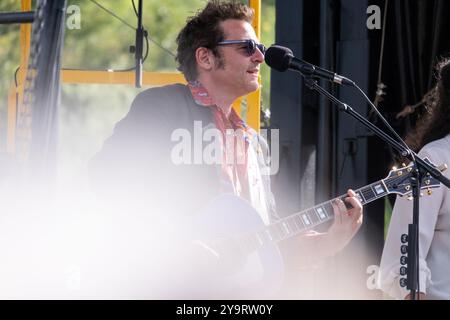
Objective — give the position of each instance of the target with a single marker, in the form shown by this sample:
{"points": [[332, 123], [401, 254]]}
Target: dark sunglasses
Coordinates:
{"points": [[250, 45]]}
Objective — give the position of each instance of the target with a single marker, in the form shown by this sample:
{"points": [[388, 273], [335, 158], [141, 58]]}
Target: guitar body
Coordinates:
{"points": [[237, 274]]}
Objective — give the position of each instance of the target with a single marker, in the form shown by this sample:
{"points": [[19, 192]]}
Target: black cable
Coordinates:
{"points": [[161, 47], [147, 38], [146, 35], [134, 7], [116, 70], [113, 14], [15, 77], [383, 40], [123, 21], [146, 46], [386, 123], [17, 93]]}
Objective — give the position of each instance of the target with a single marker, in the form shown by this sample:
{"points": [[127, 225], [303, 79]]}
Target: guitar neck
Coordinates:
{"points": [[308, 219]]}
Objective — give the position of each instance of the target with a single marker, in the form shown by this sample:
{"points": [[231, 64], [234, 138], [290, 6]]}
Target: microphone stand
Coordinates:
{"points": [[421, 169], [413, 239], [139, 47]]}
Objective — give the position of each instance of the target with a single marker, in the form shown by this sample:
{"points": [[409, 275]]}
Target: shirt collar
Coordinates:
{"points": [[200, 94], [202, 98]]}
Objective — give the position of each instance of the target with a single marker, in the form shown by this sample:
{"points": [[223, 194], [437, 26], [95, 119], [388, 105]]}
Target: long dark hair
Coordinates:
{"points": [[435, 124]]}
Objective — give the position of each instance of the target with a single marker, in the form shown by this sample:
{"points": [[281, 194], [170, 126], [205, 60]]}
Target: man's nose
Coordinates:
{"points": [[258, 56]]}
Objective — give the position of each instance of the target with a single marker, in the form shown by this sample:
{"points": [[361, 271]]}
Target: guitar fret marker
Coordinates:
{"points": [[321, 213], [306, 219], [316, 215], [379, 189]]}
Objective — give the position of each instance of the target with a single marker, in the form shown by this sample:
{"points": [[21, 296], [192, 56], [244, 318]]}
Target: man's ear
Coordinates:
{"points": [[204, 58]]}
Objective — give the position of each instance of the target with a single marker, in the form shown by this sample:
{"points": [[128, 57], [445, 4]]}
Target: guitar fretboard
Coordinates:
{"points": [[308, 219]]}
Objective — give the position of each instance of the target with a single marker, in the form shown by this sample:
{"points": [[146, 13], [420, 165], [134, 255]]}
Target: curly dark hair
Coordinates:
{"points": [[203, 30], [435, 124]]}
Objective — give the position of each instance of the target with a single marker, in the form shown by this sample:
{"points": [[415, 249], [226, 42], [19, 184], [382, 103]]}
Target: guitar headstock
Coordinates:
{"points": [[399, 180]]}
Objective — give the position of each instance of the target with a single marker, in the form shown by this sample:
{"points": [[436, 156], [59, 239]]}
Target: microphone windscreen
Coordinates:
{"points": [[278, 57]]}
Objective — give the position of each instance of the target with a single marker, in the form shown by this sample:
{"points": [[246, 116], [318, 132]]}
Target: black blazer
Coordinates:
{"points": [[134, 167]]}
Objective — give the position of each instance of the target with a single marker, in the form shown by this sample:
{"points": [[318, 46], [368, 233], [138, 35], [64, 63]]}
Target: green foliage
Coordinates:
{"points": [[387, 215], [9, 52], [9, 60], [103, 41]]}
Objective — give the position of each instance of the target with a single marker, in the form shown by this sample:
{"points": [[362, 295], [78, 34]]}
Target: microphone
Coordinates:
{"points": [[281, 59]]}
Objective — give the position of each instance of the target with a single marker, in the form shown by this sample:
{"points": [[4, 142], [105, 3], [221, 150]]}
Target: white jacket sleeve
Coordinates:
{"points": [[389, 273]]}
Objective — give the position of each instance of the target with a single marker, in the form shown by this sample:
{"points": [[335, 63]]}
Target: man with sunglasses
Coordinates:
{"points": [[220, 57]]}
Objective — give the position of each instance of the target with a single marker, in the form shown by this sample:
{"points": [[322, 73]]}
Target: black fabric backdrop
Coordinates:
{"points": [[417, 37]]}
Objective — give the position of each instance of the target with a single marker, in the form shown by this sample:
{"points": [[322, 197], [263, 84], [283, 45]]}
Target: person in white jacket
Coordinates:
{"points": [[432, 138]]}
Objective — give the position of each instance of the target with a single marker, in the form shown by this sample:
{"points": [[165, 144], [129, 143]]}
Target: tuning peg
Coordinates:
{"points": [[404, 238], [409, 198], [403, 271], [429, 191], [403, 282], [404, 249], [442, 167], [421, 194], [403, 260]]}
